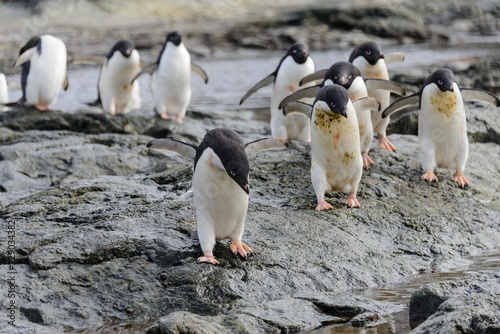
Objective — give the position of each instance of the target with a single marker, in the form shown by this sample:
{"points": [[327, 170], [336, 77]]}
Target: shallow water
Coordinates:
{"points": [[229, 79]]}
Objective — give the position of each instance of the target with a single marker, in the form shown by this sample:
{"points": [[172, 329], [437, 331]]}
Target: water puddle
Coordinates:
{"points": [[400, 293]]}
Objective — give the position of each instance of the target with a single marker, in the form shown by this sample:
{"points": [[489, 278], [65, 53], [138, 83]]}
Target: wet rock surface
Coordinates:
{"points": [[470, 304]]}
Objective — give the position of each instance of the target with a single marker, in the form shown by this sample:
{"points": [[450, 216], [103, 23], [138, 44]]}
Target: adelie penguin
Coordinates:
{"points": [[336, 162], [294, 65], [171, 78], [43, 59], [116, 95], [220, 185], [442, 124], [349, 76], [370, 60]]}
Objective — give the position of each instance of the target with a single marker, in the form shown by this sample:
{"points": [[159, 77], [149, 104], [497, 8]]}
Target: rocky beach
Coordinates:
{"points": [[105, 234]]}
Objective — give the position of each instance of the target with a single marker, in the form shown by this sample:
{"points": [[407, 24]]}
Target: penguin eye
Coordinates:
{"points": [[335, 77], [368, 52], [350, 76], [294, 51], [440, 83], [232, 172], [333, 105]]}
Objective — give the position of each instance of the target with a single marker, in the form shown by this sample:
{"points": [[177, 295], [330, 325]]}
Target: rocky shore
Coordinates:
{"points": [[105, 231]]}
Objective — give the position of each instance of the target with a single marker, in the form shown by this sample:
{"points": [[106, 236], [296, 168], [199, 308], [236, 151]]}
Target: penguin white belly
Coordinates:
{"points": [[221, 205], [4, 92], [47, 72], [292, 127], [115, 89], [442, 128], [335, 150], [171, 83], [356, 91]]}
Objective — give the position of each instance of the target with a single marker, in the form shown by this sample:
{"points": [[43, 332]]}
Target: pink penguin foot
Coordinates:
{"points": [[208, 257], [178, 120], [41, 107], [323, 205], [351, 201], [367, 161], [164, 116], [237, 247], [385, 143], [460, 178], [430, 176]]}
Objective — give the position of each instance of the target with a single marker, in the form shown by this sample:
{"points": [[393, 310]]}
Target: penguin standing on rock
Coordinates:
{"points": [[43, 59], [295, 65], [115, 93], [370, 60], [349, 76], [336, 161], [220, 185], [442, 125], [171, 78]]}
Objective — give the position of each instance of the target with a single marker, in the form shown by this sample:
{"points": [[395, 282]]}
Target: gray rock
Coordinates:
{"points": [[469, 305]]}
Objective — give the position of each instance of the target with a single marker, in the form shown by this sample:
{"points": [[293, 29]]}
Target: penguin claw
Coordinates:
{"points": [[430, 176], [386, 144], [237, 247], [367, 161], [323, 205], [460, 178], [351, 201], [209, 259]]}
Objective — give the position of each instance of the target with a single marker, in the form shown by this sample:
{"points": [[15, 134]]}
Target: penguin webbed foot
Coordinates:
{"points": [[460, 178], [367, 161], [351, 201], [386, 144], [208, 257], [430, 176], [323, 205], [237, 247]]}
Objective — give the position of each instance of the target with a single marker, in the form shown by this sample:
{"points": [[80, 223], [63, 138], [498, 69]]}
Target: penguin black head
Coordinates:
{"points": [[299, 52], [336, 97], [33, 41], [342, 73], [443, 78], [174, 37], [230, 149], [371, 51], [125, 46]]}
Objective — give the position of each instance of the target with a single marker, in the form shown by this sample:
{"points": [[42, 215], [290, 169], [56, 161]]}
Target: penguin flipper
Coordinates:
{"points": [[366, 103], [65, 84], [319, 75], [297, 107], [199, 72], [25, 56], [172, 145], [264, 82], [400, 104], [148, 69], [473, 94], [381, 84], [394, 57], [96, 103], [265, 144], [300, 94]]}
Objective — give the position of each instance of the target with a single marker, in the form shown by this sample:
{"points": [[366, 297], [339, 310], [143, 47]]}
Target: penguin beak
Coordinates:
{"points": [[451, 88], [342, 80], [381, 56], [246, 188], [344, 113]]}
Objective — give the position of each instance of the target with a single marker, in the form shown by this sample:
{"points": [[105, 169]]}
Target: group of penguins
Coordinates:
{"points": [[338, 110]]}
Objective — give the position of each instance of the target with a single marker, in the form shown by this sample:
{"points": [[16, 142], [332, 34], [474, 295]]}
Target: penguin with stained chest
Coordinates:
{"points": [[442, 124], [115, 93], [370, 60], [336, 161], [294, 65], [43, 61], [349, 76], [171, 78], [220, 185]]}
